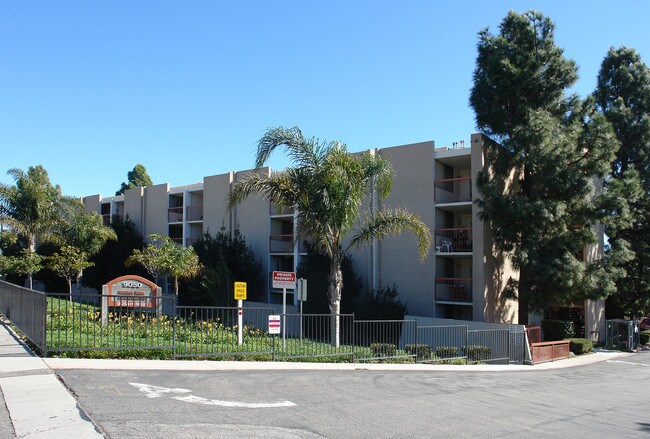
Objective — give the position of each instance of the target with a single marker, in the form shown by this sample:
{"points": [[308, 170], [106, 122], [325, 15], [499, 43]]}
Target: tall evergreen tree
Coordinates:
{"points": [[138, 177], [538, 194], [623, 95]]}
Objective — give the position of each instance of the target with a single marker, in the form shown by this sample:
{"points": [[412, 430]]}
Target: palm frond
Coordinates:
{"points": [[303, 152], [278, 188], [389, 222]]}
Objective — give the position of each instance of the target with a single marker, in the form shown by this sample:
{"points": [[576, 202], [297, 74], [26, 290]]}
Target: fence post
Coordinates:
{"points": [[173, 328], [44, 337]]}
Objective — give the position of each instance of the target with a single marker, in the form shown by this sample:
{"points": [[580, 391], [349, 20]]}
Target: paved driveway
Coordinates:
{"points": [[602, 400]]}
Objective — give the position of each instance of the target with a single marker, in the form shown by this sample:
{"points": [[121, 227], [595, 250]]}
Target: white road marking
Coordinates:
{"points": [[628, 362], [157, 392]]}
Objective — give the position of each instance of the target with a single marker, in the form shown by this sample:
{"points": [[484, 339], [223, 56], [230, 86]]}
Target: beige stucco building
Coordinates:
{"points": [[461, 279]]}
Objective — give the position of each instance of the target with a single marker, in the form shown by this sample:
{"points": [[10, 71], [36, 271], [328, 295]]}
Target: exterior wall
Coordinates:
{"points": [[491, 269], [133, 204], [216, 214], [92, 203], [399, 262], [253, 218], [155, 209]]}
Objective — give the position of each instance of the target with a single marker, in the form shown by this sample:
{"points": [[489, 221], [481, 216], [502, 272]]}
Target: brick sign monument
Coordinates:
{"points": [[131, 291]]}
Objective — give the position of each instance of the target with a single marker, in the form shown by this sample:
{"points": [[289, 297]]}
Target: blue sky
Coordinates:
{"points": [[89, 89]]}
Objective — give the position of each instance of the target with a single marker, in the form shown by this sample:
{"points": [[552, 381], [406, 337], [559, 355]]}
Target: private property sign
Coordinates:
{"points": [[284, 279], [274, 324]]}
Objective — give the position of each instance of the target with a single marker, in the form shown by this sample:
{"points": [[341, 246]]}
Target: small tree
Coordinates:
{"points": [[151, 257], [163, 256], [137, 178], [68, 263], [82, 230], [27, 263]]}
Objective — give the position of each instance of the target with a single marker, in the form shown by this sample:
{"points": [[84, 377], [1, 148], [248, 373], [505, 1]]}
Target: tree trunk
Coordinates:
{"points": [[31, 244], [334, 295]]}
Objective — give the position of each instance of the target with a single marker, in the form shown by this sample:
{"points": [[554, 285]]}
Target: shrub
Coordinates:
{"points": [[447, 352], [383, 349], [419, 350], [478, 353], [644, 337], [557, 329], [580, 345]]}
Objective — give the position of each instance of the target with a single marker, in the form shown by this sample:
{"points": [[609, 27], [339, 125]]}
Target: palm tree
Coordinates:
{"points": [[328, 188], [31, 207]]}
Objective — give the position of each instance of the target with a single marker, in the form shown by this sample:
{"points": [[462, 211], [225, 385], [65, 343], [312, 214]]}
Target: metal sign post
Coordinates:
{"points": [[285, 280], [301, 292], [240, 295]]}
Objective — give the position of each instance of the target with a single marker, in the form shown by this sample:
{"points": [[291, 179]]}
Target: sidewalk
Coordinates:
{"points": [[35, 404]]}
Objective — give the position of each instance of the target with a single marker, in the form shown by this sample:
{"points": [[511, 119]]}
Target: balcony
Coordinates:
{"points": [[456, 240], [284, 244], [453, 190], [453, 289], [194, 213], [276, 210], [178, 241], [175, 214]]}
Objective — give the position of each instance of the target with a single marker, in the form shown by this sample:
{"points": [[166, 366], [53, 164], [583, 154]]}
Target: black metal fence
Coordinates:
{"points": [[57, 324], [26, 309]]}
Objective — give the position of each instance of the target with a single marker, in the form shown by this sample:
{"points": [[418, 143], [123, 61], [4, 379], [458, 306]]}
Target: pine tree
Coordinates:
{"points": [[623, 95], [138, 177], [538, 193]]}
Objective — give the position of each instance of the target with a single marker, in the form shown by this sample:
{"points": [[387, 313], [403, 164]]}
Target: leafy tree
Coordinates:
{"points": [[138, 177], [25, 263], [109, 262], [623, 95], [225, 259], [31, 207], [81, 229], [552, 145], [152, 257], [327, 187], [163, 256], [68, 263]]}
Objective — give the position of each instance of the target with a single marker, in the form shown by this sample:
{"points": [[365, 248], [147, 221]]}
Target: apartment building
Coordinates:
{"points": [[461, 278]]}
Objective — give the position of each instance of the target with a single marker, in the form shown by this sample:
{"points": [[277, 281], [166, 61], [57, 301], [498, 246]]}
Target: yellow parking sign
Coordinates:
{"points": [[240, 290]]}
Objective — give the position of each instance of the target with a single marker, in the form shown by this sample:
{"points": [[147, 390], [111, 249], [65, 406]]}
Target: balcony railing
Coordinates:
{"points": [[175, 214], [178, 241], [280, 210], [457, 240], [453, 289], [453, 190], [284, 244], [194, 213]]}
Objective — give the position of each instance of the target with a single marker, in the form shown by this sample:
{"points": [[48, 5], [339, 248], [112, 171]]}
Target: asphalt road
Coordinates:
{"points": [[602, 400]]}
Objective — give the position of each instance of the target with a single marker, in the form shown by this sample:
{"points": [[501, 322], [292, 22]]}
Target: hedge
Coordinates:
{"points": [[557, 329], [478, 353], [419, 350], [580, 345], [383, 349]]}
